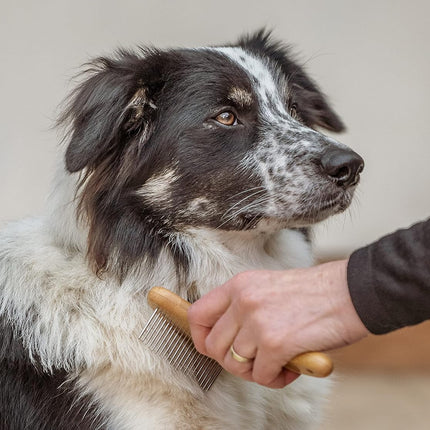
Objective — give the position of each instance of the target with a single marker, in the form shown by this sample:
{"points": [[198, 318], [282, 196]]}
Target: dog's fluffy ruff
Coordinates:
{"points": [[90, 326]]}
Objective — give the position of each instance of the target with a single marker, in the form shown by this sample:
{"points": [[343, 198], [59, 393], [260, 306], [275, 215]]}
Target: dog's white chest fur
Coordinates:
{"points": [[90, 327]]}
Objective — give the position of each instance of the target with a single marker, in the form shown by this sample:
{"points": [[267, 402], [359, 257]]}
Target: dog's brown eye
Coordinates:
{"points": [[227, 118]]}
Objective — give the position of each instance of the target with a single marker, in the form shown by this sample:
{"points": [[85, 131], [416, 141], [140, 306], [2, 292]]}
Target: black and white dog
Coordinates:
{"points": [[182, 168]]}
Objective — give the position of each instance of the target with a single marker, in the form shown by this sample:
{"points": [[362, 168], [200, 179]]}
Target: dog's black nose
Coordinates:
{"points": [[342, 165]]}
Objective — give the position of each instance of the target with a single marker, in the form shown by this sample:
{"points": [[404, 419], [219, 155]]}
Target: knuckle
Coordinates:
{"points": [[239, 283], [248, 298], [240, 279], [273, 344]]}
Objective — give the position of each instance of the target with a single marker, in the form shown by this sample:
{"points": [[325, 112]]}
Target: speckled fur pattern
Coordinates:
{"points": [[153, 190], [287, 171]]}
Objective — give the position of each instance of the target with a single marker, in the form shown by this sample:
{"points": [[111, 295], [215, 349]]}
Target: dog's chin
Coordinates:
{"points": [[284, 219], [323, 210]]}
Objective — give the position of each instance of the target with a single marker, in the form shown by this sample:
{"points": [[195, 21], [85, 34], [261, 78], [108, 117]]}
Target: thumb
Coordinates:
{"points": [[205, 312]]}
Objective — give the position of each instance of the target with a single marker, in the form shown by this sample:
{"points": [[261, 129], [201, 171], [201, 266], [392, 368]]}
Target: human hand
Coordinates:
{"points": [[272, 316]]}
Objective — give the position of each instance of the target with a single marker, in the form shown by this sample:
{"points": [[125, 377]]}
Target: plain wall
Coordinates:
{"points": [[370, 57]]}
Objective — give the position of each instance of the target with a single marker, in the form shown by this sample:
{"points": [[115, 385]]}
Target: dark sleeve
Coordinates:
{"points": [[389, 280]]}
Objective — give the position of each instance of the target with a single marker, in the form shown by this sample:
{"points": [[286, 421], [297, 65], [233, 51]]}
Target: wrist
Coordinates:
{"points": [[336, 283]]}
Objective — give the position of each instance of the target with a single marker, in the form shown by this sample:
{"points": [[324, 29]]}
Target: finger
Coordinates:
{"points": [[268, 370], [245, 370], [241, 369], [204, 313], [244, 343], [199, 334], [222, 335], [208, 309], [289, 376], [285, 378]]}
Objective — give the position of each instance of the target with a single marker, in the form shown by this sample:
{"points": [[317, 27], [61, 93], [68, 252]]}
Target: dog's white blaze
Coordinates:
{"points": [[271, 98], [267, 90], [272, 158]]}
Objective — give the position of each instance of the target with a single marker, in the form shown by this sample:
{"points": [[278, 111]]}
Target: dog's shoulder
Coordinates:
{"points": [[26, 244], [30, 260], [37, 281], [33, 397]]}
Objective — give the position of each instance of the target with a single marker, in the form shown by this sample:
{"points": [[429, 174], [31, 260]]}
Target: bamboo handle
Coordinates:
{"points": [[176, 309]]}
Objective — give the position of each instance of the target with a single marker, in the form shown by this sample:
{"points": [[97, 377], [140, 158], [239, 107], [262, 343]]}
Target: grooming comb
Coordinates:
{"points": [[167, 333]]}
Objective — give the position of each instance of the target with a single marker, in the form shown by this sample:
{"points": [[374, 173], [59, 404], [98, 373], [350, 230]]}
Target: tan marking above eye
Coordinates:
{"points": [[241, 97], [226, 118]]}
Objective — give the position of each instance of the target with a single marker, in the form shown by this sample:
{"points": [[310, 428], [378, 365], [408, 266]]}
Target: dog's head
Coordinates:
{"points": [[219, 137]]}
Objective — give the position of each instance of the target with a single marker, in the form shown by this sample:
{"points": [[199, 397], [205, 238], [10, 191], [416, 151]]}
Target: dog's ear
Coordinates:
{"points": [[113, 105], [311, 104], [306, 98]]}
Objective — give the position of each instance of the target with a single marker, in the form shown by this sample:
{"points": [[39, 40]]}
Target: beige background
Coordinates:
{"points": [[371, 57]]}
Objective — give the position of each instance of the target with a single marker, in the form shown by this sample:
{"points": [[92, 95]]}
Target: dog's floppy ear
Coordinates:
{"points": [[312, 106], [111, 106]]}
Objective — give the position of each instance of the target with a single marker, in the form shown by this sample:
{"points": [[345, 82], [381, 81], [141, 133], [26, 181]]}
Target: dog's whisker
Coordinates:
{"points": [[259, 202], [260, 187], [242, 200]]}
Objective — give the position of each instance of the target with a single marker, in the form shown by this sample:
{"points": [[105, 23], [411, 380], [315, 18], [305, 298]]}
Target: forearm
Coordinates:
{"points": [[389, 280]]}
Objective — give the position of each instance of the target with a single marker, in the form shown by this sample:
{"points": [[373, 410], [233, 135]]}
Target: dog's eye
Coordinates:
{"points": [[293, 110], [227, 118]]}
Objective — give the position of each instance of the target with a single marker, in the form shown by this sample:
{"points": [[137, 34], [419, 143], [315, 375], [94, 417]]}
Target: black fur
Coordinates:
{"points": [[31, 399]]}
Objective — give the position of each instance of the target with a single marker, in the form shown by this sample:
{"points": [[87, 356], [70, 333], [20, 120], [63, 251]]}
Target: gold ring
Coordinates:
{"points": [[239, 357]]}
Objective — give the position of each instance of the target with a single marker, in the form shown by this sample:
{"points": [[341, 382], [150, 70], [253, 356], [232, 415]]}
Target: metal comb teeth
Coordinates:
{"points": [[166, 340]]}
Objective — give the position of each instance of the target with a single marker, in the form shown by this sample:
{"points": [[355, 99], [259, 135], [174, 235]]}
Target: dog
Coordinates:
{"points": [[181, 168]]}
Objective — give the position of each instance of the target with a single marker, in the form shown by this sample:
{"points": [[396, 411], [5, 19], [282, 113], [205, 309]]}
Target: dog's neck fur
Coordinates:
{"points": [[214, 255], [110, 361], [46, 261]]}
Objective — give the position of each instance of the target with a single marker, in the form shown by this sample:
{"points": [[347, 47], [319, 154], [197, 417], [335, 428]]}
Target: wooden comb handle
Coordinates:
{"points": [[311, 363], [176, 309]]}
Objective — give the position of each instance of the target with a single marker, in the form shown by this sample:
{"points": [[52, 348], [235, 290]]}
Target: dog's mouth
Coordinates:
{"points": [[319, 210], [336, 204], [326, 207]]}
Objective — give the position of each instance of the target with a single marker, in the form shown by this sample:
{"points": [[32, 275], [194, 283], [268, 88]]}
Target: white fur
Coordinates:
{"points": [[268, 90], [157, 188], [72, 319]]}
